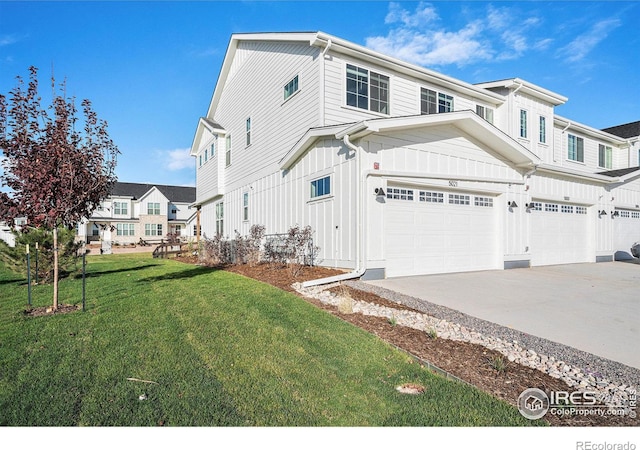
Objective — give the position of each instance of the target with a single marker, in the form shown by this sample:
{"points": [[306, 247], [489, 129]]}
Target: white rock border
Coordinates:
{"points": [[608, 393]]}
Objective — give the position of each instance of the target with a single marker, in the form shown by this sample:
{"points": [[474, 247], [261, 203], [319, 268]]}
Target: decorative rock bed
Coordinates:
{"points": [[609, 393]]}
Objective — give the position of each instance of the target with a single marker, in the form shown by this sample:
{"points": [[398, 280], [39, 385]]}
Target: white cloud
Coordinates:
{"points": [[584, 43], [178, 159], [420, 37], [8, 39]]}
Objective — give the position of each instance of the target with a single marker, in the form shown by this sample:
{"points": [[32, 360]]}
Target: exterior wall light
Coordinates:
{"points": [[615, 214], [380, 193], [602, 213], [512, 204]]}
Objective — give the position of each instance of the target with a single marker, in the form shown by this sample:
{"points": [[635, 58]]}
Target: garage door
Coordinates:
{"points": [[626, 232], [431, 231], [560, 234]]}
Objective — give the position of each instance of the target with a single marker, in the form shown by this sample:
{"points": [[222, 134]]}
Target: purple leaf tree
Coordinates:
{"points": [[57, 167]]}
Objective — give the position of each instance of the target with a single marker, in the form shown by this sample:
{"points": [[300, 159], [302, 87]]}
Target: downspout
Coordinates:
{"points": [[360, 260]]}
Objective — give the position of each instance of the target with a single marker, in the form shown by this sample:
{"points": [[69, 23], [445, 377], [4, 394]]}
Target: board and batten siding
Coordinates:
{"points": [[282, 200], [257, 92]]}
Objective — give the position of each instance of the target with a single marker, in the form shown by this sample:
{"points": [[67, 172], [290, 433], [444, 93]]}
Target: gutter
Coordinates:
{"points": [[360, 260]]}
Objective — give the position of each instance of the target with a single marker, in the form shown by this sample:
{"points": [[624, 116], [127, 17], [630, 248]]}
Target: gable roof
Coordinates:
{"points": [[527, 88], [467, 121], [176, 194], [627, 130]]}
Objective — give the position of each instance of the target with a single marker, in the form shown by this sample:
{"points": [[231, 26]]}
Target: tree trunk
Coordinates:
{"points": [[55, 268]]}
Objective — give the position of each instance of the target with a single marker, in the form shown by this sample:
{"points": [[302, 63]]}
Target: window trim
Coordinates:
{"points": [[248, 131], [485, 112], [287, 95], [606, 156], [154, 213], [313, 180], [156, 231], [245, 206], [359, 96], [524, 125], [219, 218], [117, 211], [542, 129], [227, 154], [579, 148]]}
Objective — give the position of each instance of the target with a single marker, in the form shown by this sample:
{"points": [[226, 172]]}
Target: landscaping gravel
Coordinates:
{"points": [[589, 365]]}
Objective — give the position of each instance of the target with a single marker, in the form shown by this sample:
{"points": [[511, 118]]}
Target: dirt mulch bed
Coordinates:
{"points": [[48, 311], [469, 362]]}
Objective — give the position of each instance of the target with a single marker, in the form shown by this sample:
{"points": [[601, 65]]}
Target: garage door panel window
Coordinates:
{"points": [[484, 201], [567, 209], [431, 197], [551, 207], [635, 215], [625, 214], [581, 209], [459, 199], [400, 194], [536, 206]]}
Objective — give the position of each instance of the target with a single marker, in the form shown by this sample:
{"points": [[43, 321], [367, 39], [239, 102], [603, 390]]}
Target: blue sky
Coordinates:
{"points": [[150, 68]]}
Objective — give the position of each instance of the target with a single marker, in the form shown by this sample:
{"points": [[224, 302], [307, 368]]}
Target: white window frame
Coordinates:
{"points": [[542, 131], [213, 149], [153, 229], [431, 197], [445, 103], [245, 206], [248, 131], [220, 218], [366, 77], [605, 156], [460, 199], [125, 229], [118, 209], [151, 208], [228, 150], [486, 202], [291, 88], [575, 148], [524, 126], [485, 112], [396, 193], [314, 184]]}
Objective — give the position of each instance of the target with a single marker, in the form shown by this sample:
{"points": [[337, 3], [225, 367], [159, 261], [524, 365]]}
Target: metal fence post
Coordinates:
{"points": [[28, 276]]}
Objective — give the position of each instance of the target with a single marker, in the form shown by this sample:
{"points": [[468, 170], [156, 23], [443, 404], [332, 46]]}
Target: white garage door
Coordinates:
{"points": [[560, 234], [626, 232], [429, 231]]}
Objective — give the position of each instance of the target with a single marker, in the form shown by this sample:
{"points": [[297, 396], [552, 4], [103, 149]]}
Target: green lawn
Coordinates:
{"points": [[224, 350]]}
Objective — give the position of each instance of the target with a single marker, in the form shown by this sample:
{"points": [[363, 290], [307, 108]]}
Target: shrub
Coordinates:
{"points": [[14, 257]]}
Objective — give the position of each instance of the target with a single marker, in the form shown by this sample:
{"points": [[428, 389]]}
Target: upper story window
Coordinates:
{"points": [[200, 159], [321, 187], [523, 124], [575, 148], [291, 87], [120, 208], [485, 113], [248, 129], [542, 132], [213, 149], [206, 155], [367, 90], [153, 208], [432, 102], [605, 156], [445, 103], [228, 150]]}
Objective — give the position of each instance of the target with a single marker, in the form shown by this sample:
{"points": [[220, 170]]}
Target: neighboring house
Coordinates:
{"points": [[401, 170], [6, 232], [135, 211]]}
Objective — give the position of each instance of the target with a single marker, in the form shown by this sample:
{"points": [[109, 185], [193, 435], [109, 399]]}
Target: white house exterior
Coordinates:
{"points": [[135, 211], [401, 170]]}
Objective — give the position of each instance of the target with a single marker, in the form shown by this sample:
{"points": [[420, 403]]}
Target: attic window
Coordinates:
{"points": [[291, 87]]}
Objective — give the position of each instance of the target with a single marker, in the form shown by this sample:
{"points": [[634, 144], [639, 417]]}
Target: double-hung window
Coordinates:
{"points": [[605, 156], [291, 87], [575, 148], [445, 103], [213, 149], [523, 124], [485, 113], [367, 90], [219, 218], [153, 208], [153, 229], [125, 229], [248, 128], [542, 132], [120, 208], [321, 187], [228, 150], [428, 101], [245, 206], [206, 155]]}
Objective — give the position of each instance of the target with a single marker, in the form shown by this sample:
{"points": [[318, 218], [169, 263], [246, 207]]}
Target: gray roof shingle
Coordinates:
{"points": [[176, 194], [626, 131]]}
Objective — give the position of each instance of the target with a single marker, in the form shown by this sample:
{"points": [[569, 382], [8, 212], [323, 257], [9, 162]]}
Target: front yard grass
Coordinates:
{"points": [[223, 349]]}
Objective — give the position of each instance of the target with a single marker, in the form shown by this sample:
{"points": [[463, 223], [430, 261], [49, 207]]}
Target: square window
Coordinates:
{"points": [[367, 90], [153, 208]]}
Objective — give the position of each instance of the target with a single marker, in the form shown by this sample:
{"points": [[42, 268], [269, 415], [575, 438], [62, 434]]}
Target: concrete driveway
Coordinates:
{"points": [[591, 307]]}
